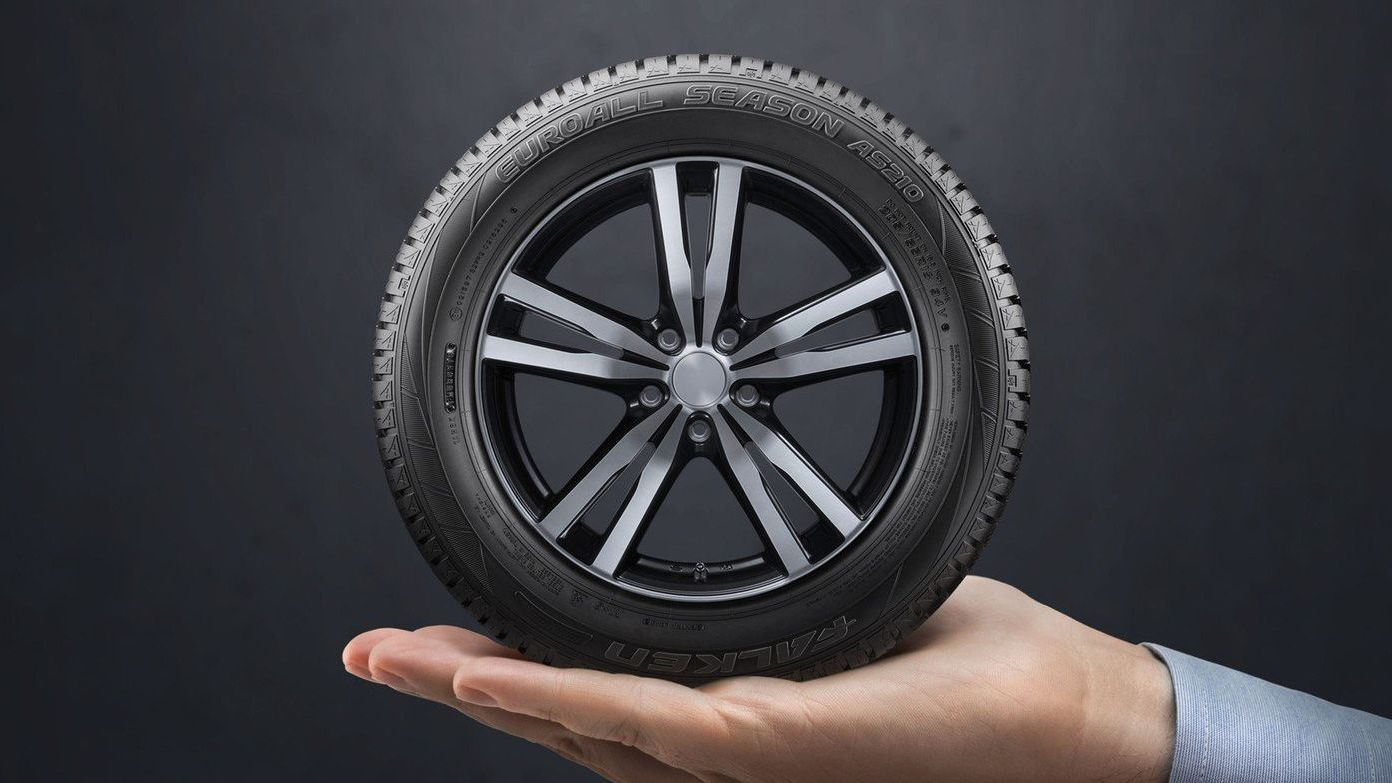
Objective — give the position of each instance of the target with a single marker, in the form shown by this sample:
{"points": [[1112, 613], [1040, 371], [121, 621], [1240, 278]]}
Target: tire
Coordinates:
{"points": [[952, 397]]}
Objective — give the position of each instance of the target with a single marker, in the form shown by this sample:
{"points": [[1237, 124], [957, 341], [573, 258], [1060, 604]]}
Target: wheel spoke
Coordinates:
{"points": [[640, 506], [823, 496], [557, 362], [559, 307], [751, 485], [582, 493], [540, 326], [667, 205], [824, 309], [840, 359], [727, 206]]}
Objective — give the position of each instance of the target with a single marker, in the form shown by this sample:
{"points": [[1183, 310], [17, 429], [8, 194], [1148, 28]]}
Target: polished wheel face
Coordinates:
{"points": [[691, 374]]}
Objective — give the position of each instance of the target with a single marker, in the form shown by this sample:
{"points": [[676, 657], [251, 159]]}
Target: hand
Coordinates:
{"points": [[993, 687]]}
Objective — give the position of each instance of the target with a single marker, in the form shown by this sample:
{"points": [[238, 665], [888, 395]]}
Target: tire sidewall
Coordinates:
{"points": [[918, 528]]}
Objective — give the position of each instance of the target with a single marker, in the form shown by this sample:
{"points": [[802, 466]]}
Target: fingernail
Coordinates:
{"points": [[390, 680], [475, 697], [361, 674]]}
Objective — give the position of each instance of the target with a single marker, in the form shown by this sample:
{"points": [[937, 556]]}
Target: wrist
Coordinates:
{"points": [[1129, 717]]}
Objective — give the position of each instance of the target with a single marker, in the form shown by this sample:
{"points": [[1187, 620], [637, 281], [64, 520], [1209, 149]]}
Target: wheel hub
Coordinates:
{"points": [[699, 379], [704, 386]]}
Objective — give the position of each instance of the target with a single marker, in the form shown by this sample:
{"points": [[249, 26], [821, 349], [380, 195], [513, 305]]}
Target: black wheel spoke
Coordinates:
{"points": [[563, 363], [749, 483], [699, 380], [577, 497], [819, 311], [718, 280], [832, 361], [825, 498], [657, 475], [671, 240], [580, 316]]}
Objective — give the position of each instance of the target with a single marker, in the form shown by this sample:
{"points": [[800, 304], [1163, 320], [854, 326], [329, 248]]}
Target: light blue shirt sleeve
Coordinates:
{"points": [[1234, 728]]}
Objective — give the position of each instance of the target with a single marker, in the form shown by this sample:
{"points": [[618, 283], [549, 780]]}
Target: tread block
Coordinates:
{"points": [[456, 185]]}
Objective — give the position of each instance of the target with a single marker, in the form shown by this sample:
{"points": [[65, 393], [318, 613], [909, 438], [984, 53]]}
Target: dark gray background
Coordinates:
{"points": [[204, 203]]}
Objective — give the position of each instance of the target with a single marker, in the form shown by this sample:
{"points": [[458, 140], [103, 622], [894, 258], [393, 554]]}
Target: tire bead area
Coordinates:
{"points": [[445, 527]]}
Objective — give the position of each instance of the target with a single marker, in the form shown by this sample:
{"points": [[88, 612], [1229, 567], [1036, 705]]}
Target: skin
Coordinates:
{"points": [[993, 687]]}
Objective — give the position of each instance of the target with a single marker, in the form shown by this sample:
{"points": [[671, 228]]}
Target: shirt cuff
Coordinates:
{"points": [[1233, 728]]}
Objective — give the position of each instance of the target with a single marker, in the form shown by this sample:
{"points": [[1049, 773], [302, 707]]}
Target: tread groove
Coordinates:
{"points": [[995, 274]]}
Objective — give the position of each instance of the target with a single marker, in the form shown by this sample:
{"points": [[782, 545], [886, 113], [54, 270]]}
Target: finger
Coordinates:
{"points": [[425, 662], [356, 652], [661, 718], [610, 759], [468, 641]]}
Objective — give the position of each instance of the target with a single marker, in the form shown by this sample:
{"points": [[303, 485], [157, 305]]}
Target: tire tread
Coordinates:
{"points": [[999, 277]]}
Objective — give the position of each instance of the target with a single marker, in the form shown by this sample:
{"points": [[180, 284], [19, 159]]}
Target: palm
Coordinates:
{"points": [[991, 687]]}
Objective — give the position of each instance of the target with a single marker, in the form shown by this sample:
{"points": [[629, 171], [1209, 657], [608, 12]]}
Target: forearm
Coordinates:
{"points": [[1235, 728]]}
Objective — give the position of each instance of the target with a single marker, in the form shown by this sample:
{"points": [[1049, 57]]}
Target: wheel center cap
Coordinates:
{"points": [[699, 379]]}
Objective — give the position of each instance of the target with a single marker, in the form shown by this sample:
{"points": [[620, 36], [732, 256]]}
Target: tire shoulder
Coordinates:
{"points": [[460, 177]]}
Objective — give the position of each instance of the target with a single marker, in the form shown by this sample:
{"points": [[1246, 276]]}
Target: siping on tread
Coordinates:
{"points": [[1007, 316]]}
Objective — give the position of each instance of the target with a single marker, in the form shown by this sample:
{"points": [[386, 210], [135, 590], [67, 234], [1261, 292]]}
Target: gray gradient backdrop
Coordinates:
{"points": [[204, 202]]}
